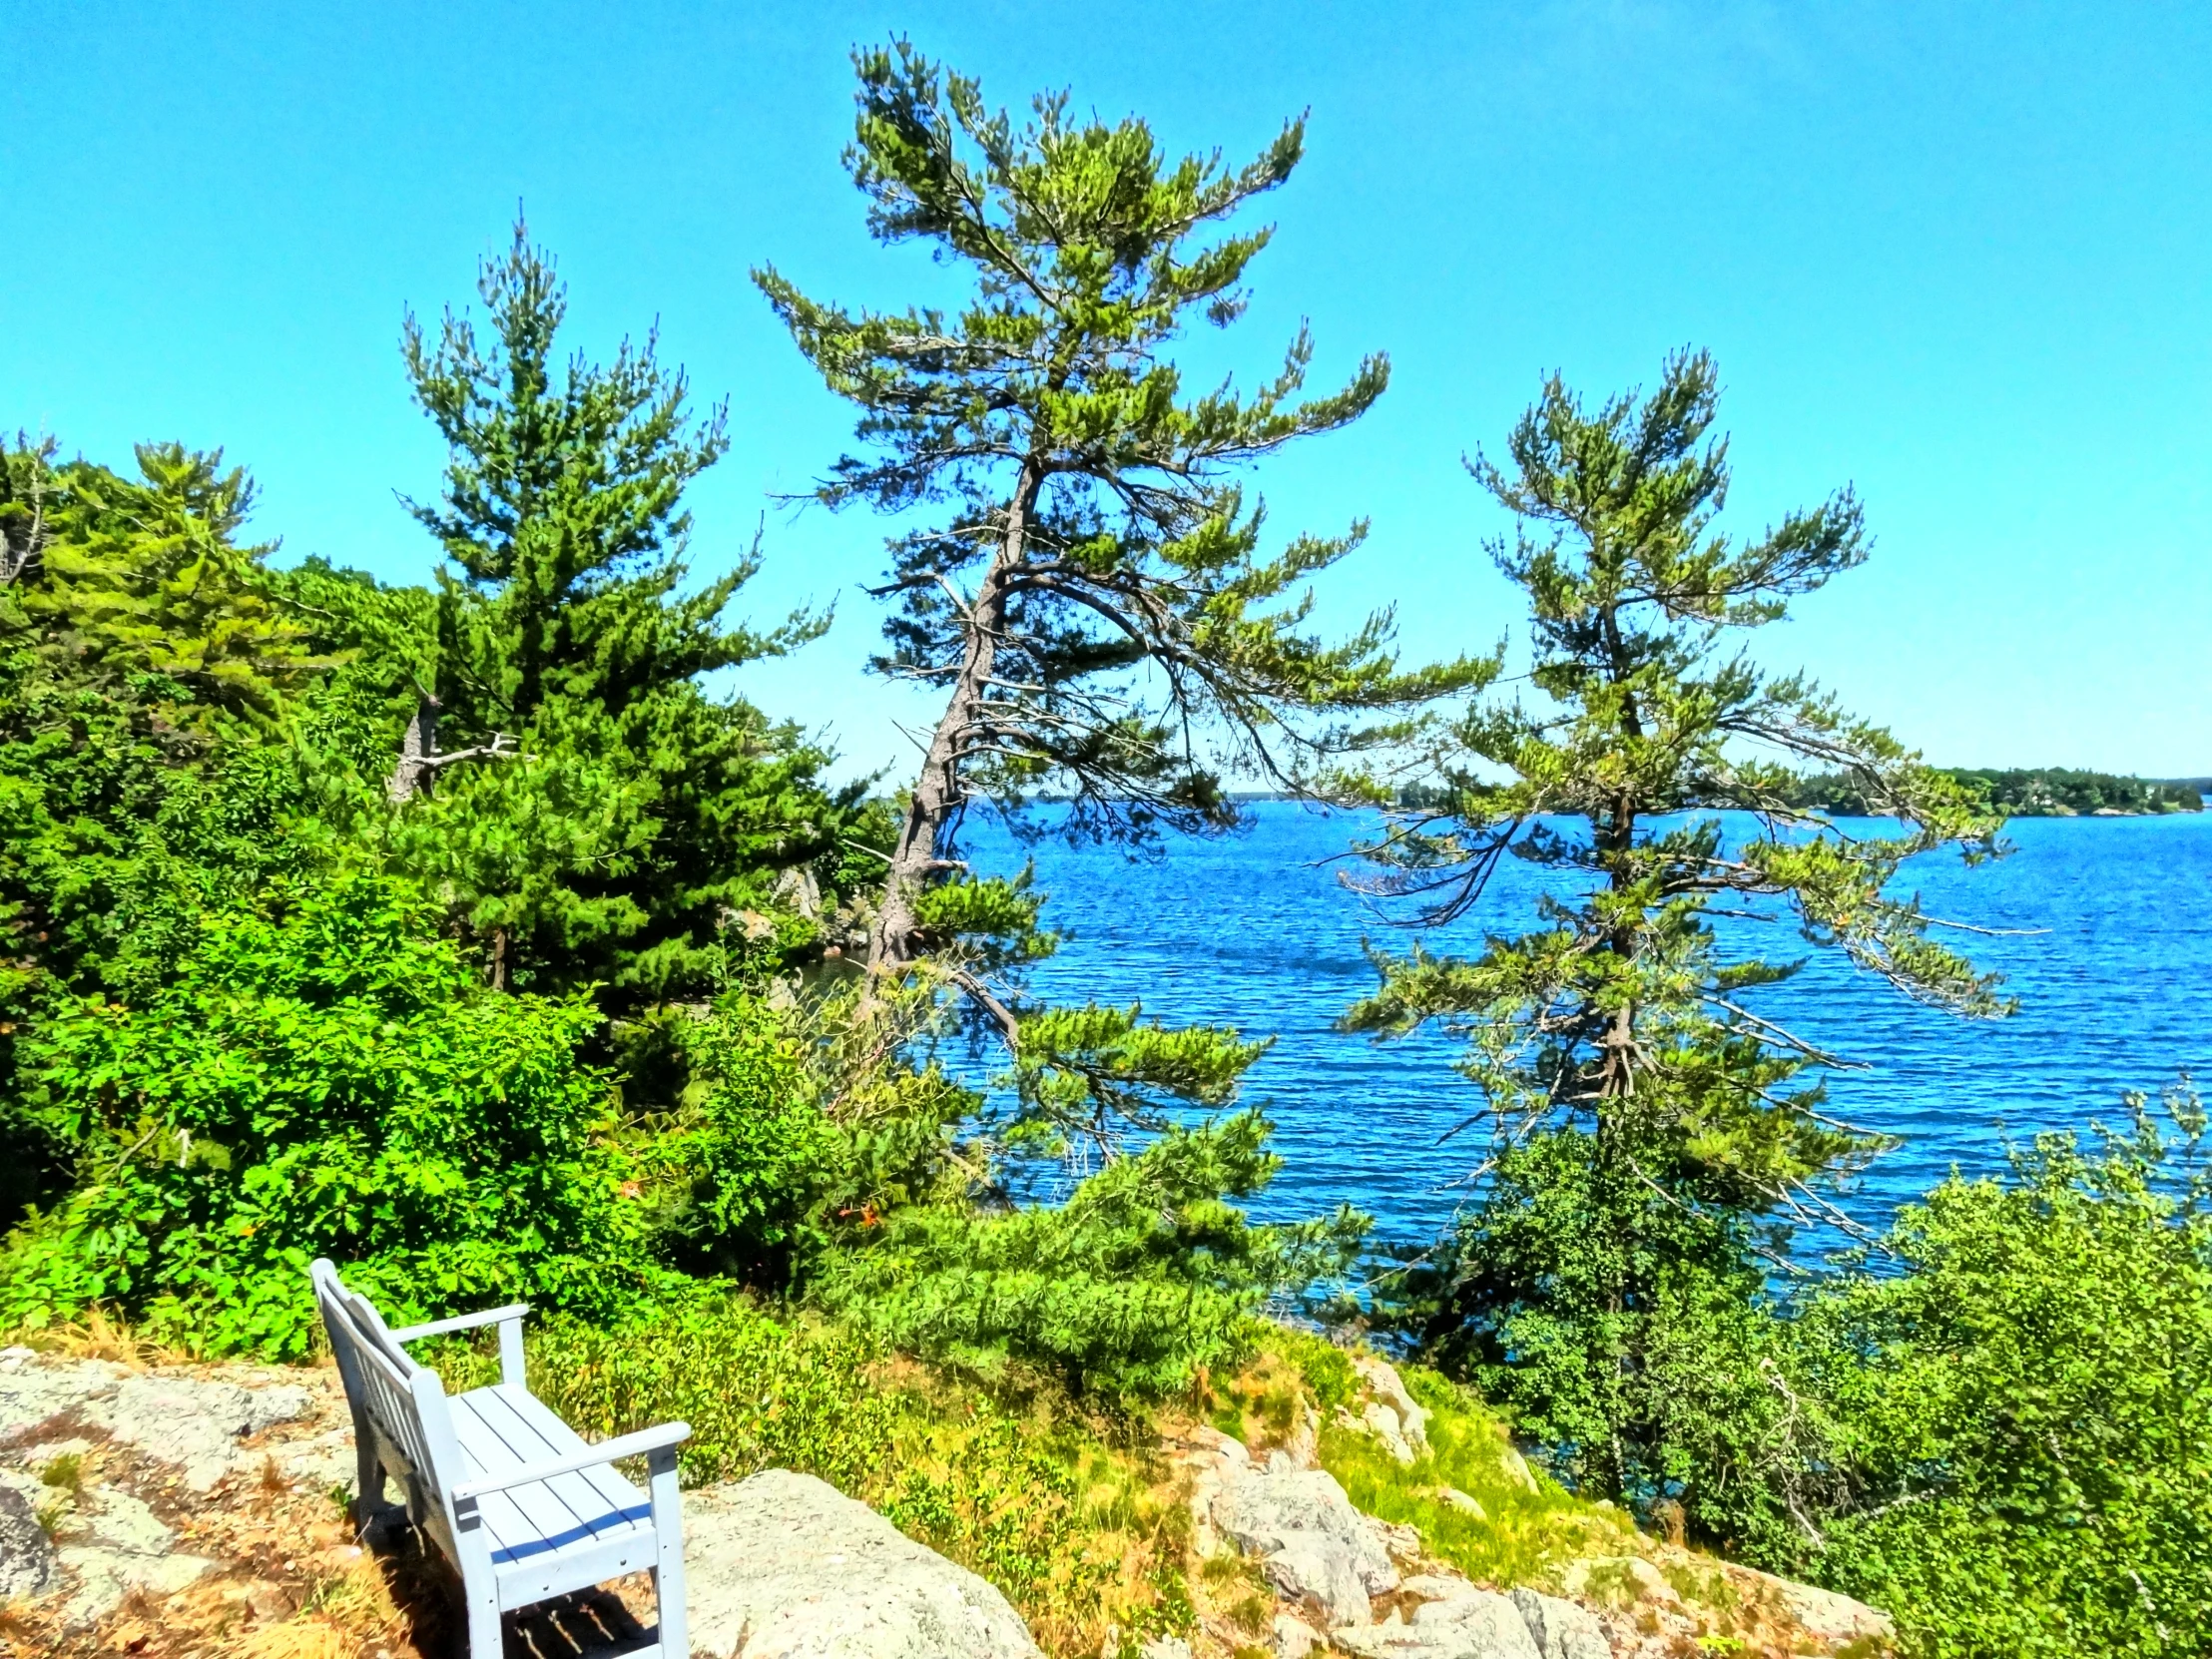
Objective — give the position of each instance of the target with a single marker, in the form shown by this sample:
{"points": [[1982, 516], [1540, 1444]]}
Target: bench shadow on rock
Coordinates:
{"points": [[588, 1624]]}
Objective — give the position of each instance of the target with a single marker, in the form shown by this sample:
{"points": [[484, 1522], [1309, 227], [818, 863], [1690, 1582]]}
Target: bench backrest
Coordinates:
{"points": [[401, 1402]]}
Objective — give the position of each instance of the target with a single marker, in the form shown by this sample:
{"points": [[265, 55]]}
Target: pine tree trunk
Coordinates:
{"points": [[941, 790], [414, 766]]}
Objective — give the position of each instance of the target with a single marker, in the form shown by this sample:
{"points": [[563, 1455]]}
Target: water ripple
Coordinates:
{"points": [[2115, 986]]}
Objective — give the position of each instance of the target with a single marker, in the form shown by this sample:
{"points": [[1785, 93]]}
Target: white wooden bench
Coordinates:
{"points": [[519, 1503]]}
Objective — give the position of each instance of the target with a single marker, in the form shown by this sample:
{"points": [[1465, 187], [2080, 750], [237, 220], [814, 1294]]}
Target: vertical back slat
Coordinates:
{"points": [[404, 1403]]}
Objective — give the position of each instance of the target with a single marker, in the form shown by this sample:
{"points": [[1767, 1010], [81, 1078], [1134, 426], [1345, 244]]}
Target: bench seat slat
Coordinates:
{"points": [[614, 1490], [524, 1520], [541, 1517]]}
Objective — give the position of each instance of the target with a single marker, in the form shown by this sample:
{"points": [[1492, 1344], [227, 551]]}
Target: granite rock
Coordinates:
{"points": [[1560, 1628], [782, 1566], [1313, 1545], [27, 1563]]}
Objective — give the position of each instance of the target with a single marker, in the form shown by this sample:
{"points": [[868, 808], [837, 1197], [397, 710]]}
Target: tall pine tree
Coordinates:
{"points": [[1094, 607], [1656, 1134], [591, 810]]}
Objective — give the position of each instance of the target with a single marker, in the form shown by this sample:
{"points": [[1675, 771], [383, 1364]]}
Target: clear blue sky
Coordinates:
{"points": [[1958, 255]]}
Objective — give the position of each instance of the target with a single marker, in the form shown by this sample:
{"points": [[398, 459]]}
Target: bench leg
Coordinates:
{"points": [[483, 1622], [668, 1572], [479, 1585], [368, 1477]]}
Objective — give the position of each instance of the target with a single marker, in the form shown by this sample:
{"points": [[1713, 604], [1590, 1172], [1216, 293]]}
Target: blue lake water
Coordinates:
{"points": [[1255, 930]]}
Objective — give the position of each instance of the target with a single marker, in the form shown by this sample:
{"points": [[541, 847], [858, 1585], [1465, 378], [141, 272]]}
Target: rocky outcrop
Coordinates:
{"points": [[32, 1395], [1822, 1614], [196, 1425], [1632, 1575], [1391, 1417], [27, 1565], [102, 1543], [1315, 1547], [111, 1545], [1560, 1629], [1479, 1624], [152, 1483], [1460, 1620], [782, 1566], [1293, 1637]]}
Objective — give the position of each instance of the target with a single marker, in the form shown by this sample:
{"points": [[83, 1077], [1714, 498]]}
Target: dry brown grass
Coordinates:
{"points": [[99, 1334]]}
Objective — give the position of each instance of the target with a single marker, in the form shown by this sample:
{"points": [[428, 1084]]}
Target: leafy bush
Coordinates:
{"points": [[1621, 1334], [1524, 1528], [2028, 1407], [744, 1160], [1146, 1273], [758, 1393], [323, 1076]]}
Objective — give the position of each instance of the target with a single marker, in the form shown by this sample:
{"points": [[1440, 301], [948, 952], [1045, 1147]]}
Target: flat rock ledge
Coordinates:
{"points": [[196, 1425], [785, 1567], [1458, 1620], [107, 1543], [27, 1564]]}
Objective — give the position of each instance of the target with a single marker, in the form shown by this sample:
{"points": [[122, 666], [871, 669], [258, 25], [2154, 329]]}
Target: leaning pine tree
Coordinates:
{"points": [[1655, 1135], [1094, 606]]}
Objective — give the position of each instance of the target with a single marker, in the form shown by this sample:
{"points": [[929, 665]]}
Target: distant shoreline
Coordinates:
{"points": [[2044, 791]]}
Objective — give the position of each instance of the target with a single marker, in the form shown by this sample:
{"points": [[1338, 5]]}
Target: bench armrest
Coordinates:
{"points": [[462, 1322], [606, 1451]]}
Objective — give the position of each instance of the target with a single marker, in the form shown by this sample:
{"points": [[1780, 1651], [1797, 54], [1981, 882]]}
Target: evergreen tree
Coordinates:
{"points": [[147, 662], [617, 818], [139, 591], [1093, 606], [1655, 1134]]}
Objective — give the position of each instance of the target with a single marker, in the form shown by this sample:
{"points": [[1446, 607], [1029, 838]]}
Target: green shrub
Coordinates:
{"points": [[741, 1163], [2028, 1407], [323, 1076], [1525, 1528], [1620, 1334], [1146, 1273], [758, 1393], [1325, 1368]]}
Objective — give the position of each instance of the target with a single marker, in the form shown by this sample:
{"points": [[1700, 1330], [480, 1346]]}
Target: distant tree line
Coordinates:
{"points": [[2040, 792]]}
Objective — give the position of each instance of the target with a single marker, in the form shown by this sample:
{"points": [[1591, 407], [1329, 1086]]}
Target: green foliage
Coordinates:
{"points": [[1095, 609], [1097, 1068], [562, 507], [1615, 1334], [1322, 1367], [144, 656], [1064, 1522], [2026, 1402], [741, 1167], [323, 1075], [1522, 1529], [758, 1393], [1097, 612], [595, 817], [1144, 1274], [1655, 1136], [2054, 791], [137, 588]]}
